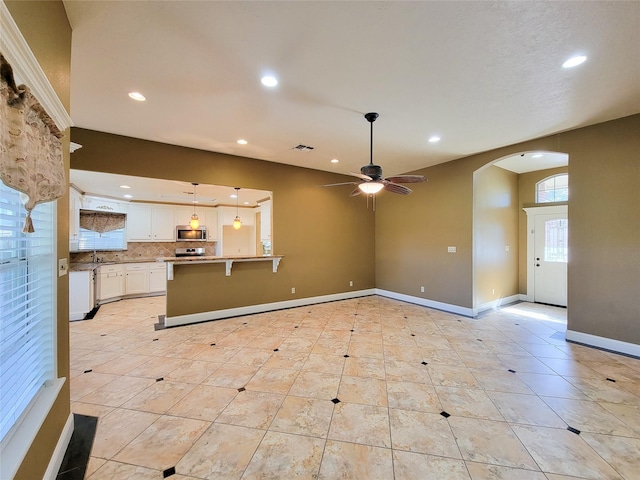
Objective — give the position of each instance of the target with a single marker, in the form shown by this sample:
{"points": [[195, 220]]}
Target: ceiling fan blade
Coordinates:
{"points": [[406, 179], [357, 191], [360, 175], [395, 188], [338, 184]]}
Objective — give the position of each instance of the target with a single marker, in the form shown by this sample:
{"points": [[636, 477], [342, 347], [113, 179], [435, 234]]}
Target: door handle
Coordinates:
{"points": [[537, 264]]}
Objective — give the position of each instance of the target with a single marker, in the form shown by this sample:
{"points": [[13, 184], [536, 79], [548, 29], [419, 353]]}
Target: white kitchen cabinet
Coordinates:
{"points": [[151, 223], [81, 294], [136, 278], [101, 204], [157, 277], [211, 222], [109, 282], [75, 203], [265, 219]]}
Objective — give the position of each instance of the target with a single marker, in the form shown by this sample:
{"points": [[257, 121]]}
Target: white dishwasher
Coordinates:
{"points": [[81, 294]]}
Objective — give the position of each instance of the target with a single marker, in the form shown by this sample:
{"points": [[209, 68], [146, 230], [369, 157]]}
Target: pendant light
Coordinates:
{"points": [[237, 223], [195, 222]]}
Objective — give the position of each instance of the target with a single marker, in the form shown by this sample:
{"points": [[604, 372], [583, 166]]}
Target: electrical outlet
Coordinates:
{"points": [[293, 289], [63, 267], [351, 283], [506, 248], [422, 289], [451, 249]]}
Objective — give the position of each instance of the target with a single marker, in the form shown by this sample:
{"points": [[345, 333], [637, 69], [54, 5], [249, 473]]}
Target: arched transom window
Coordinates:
{"points": [[553, 189]]}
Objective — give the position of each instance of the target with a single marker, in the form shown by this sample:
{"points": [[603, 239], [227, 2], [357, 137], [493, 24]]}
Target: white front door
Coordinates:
{"points": [[550, 258]]}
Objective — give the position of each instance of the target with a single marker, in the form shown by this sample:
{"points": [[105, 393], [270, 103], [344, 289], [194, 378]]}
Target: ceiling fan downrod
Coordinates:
{"points": [[371, 117]]}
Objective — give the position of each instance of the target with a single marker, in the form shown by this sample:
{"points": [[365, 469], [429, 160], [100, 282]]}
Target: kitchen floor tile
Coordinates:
{"points": [[163, 443], [304, 416], [222, 452], [422, 432], [281, 455], [411, 466], [380, 388], [351, 460]]}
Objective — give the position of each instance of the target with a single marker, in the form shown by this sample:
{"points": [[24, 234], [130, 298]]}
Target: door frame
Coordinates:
{"points": [[532, 212]]}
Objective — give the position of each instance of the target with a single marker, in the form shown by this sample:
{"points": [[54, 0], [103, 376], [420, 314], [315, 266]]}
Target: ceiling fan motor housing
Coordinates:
{"points": [[373, 171]]}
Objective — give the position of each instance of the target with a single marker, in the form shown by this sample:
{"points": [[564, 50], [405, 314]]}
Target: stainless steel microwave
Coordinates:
{"points": [[184, 233]]}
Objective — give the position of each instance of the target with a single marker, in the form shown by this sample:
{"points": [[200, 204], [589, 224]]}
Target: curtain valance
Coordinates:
{"points": [[30, 147], [102, 222]]}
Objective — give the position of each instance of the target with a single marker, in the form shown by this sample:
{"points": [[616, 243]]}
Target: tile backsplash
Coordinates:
{"points": [[142, 251]]}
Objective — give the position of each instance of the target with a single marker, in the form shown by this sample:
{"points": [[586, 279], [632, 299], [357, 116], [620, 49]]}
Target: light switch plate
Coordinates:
{"points": [[451, 249], [63, 267]]}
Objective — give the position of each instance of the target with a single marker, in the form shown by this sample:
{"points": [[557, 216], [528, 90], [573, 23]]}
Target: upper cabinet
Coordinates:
{"points": [[151, 223], [265, 221], [75, 203], [103, 204]]}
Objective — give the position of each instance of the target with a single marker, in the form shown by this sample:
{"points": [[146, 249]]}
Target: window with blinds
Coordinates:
{"points": [[27, 318]]}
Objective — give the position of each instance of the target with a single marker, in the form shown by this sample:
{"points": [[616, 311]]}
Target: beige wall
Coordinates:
{"points": [[46, 29], [326, 237], [495, 227], [527, 195], [604, 228]]}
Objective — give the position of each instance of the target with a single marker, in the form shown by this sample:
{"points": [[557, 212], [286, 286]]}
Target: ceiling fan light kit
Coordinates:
{"points": [[371, 175]]}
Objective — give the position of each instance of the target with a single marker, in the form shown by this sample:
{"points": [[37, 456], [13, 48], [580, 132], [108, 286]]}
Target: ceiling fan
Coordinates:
{"points": [[371, 175]]}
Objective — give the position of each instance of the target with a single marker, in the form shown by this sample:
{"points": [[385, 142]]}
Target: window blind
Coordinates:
{"points": [[26, 306]]}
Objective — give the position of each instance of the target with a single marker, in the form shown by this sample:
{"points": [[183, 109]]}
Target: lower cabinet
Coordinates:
{"points": [[114, 282], [81, 299], [136, 279], [109, 282], [157, 277]]}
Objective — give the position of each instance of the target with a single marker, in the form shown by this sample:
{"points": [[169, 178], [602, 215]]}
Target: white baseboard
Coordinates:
{"points": [[494, 304], [526, 298], [265, 307], [447, 307], [603, 342], [61, 449]]}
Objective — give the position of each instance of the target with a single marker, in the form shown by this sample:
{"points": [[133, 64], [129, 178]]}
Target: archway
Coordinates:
{"points": [[501, 190]]}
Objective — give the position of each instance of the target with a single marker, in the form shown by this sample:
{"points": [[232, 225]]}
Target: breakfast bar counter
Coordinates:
{"points": [[228, 261]]}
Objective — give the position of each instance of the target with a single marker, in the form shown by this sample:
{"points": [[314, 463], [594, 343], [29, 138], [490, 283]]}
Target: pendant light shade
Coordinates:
{"points": [[195, 221], [237, 223]]}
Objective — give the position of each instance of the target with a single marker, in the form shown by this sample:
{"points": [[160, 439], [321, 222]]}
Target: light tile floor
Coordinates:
{"points": [[368, 388]]}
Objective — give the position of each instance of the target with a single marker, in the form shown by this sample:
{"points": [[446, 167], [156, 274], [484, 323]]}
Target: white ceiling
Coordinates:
{"points": [[479, 74], [162, 191]]}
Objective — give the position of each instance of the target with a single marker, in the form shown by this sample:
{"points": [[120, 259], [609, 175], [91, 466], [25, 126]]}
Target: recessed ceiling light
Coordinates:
{"points": [[246, 203], [574, 61], [128, 196], [137, 96], [434, 139], [242, 141], [335, 160], [269, 81], [125, 186], [233, 195], [537, 155]]}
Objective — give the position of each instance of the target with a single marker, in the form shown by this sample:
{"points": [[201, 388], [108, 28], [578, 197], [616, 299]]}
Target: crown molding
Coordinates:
{"points": [[27, 70]]}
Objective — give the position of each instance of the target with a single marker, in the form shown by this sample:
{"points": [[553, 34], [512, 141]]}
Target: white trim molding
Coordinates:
{"points": [[27, 70], [261, 308], [495, 304], [611, 344], [61, 449], [17, 442], [447, 307]]}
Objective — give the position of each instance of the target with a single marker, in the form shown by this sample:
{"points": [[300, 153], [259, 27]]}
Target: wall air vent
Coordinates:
{"points": [[303, 148]]}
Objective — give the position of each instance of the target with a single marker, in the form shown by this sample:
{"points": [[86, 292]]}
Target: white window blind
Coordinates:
{"points": [[26, 306]]}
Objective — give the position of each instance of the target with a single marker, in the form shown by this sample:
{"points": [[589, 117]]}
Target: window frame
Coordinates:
{"points": [[554, 190]]}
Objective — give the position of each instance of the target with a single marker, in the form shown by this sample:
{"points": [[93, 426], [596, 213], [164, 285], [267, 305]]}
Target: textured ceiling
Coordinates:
{"points": [[479, 74]]}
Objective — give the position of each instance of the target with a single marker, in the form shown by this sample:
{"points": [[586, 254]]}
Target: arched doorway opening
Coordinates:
{"points": [[503, 251]]}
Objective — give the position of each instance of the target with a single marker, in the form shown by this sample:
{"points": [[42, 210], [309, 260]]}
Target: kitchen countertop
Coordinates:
{"points": [[210, 258], [84, 266]]}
